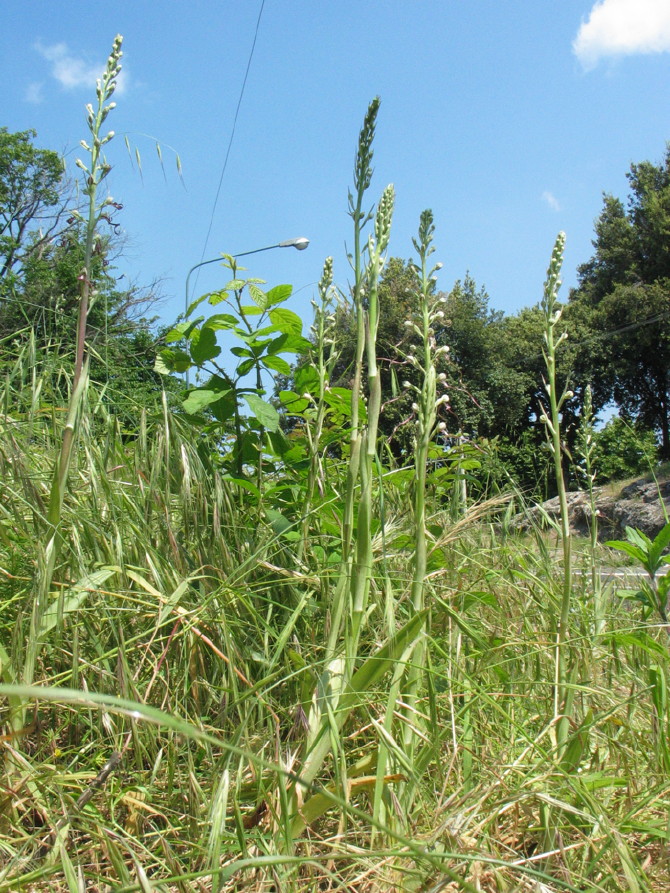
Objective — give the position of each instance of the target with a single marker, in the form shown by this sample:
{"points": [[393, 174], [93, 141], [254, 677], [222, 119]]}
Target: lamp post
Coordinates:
{"points": [[299, 244]]}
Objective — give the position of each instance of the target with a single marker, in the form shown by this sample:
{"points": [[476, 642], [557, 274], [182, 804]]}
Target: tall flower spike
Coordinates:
{"points": [[363, 165], [384, 217], [553, 282]]}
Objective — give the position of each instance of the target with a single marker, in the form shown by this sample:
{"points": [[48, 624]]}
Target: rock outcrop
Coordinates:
{"points": [[643, 504]]}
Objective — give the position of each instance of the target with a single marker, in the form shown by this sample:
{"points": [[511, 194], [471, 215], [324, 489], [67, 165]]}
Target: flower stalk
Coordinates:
{"points": [[552, 420]]}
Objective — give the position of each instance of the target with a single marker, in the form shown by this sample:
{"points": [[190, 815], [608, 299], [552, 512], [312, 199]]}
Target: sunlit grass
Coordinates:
{"points": [[348, 687]]}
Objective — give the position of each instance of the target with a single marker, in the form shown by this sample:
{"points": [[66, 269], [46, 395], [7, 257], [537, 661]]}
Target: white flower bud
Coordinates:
{"points": [[407, 384], [442, 376]]}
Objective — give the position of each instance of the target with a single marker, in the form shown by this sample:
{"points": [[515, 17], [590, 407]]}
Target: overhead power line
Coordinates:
{"points": [[232, 135]]}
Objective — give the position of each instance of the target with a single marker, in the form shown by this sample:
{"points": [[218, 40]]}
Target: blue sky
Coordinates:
{"points": [[508, 119]]}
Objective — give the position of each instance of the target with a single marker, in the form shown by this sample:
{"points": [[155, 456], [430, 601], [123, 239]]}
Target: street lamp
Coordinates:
{"points": [[299, 244]]}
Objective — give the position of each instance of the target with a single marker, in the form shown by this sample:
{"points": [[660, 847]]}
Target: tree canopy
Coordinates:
{"points": [[623, 296], [41, 263]]}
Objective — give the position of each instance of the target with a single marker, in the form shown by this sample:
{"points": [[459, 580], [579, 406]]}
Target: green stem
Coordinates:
{"points": [[562, 700]]}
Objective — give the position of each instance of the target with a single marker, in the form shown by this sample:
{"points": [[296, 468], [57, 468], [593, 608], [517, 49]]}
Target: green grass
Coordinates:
{"points": [[350, 685], [184, 606]]}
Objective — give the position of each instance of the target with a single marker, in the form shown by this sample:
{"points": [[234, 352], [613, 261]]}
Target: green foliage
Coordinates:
{"points": [[232, 677], [33, 198], [623, 450], [623, 297], [650, 555], [224, 403], [43, 250]]}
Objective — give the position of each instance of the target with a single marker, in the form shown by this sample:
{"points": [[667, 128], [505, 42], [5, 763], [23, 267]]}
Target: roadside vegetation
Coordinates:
{"points": [[277, 630]]}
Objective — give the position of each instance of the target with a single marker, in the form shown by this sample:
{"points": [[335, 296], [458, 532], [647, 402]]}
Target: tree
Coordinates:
{"points": [[42, 254], [34, 199], [623, 296]]}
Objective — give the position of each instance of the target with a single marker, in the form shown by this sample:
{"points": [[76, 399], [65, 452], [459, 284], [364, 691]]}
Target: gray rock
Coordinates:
{"points": [[638, 505]]}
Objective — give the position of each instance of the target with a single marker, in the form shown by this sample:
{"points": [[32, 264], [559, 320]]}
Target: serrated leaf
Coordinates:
{"points": [[264, 412], [258, 296], [279, 294], [286, 321], [221, 321], [234, 285], [217, 297]]}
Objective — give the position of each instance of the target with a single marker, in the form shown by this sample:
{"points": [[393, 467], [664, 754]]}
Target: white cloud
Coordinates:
{"points": [[72, 71], [33, 92], [551, 200], [623, 27]]}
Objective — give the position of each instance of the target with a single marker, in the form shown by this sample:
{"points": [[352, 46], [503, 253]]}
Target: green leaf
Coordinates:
{"points": [[279, 443], [199, 398], [203, 346], [71, 599], [277, 364], [172, 360], [290, 343], [286, 321], [217, 297], [306, 380], [658, 546], [293, 402], [221, 321], [634, 551], [243, 483], [364, 679], [225, 407], [197, 303], [266, 414], [258, 296], [179, 331], [235, 285], [279, 294], [278, 522]]}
